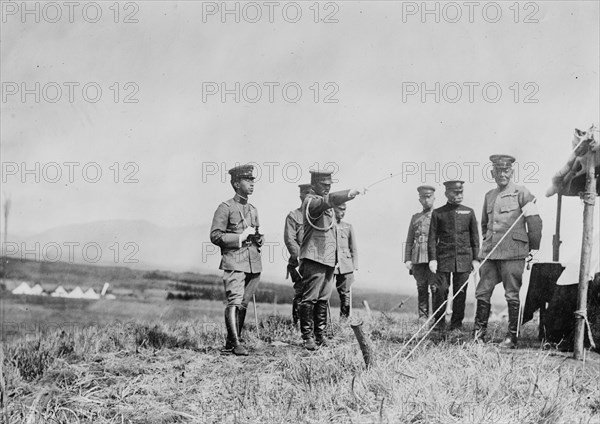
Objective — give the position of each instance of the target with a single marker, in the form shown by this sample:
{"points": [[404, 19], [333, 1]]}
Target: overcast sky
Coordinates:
{"points": [[502, 87]]}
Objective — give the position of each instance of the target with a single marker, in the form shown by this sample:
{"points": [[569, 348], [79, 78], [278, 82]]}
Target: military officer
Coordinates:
{"points": [[415, 253], [347, 255], [453, 251], [292, 237], [504, 206], [235, 230], [318, 253]]}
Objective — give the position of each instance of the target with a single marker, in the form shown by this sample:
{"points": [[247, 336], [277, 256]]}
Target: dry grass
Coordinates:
{"points": [[174, 373]]}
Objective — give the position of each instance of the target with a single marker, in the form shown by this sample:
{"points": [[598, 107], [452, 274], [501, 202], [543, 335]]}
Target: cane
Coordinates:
{"points": [[255, 315], [329, 320]]}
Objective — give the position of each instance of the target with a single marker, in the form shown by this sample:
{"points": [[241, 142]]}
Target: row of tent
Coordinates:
{"points": [[76, 293]]}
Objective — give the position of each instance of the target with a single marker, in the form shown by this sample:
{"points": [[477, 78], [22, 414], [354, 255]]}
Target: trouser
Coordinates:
{"points": [[460, 296], [240, 287], [424, 278], [343, 284], [439, 295], [510, 272], [317, 282]]}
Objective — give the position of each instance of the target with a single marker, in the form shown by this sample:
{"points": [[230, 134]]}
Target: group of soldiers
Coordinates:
{"points": [[442, 248]]}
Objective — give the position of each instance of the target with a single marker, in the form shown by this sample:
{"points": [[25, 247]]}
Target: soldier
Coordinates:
{"points": [[415, 253], [504, 206], [292, 237], [453, 251], [235, 230], [347, 255], [318, 255]]}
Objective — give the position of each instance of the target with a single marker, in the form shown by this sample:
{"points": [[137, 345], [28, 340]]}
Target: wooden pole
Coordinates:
{"points": [[589, 199], [556, 239], [365, 344]]}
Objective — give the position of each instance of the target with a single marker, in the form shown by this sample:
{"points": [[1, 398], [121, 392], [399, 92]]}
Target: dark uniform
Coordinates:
{"points": [[292, 237], [318, 256], [506, 252], [415, 251], [454, 244], [241, 260]]}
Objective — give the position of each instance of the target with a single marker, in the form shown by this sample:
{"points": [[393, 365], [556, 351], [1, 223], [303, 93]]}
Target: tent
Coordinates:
{"points": [[91, 294], [59, 292], [37, 290], [76, 293], [23, 288]]}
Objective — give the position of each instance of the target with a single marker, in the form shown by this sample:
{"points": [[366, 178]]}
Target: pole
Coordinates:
{"points": [[556, 239], [255, 315], [589, 199]]}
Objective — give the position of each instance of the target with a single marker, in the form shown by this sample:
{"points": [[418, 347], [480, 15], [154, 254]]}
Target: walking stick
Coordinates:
{"points": [[255, 315], [329, 320]]}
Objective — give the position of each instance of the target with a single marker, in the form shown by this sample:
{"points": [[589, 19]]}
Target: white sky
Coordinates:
{"points": [[370, 133]]}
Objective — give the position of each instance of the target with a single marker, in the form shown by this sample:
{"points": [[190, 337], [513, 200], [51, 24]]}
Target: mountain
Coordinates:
{"points": [[132, 243]]}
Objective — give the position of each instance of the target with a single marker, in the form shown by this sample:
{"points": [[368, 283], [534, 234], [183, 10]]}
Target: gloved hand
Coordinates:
{"points": [[409, 265], [433, 266], [532, 253], [475, 264], [353, 193], [246, 233]]}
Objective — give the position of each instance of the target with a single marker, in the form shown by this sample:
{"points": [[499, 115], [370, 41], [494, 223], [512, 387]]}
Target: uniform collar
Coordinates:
{"points": [[508, 189], [240, 199]]}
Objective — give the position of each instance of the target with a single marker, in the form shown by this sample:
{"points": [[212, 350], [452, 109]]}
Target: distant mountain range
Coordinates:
{"points": [[132, 243]]}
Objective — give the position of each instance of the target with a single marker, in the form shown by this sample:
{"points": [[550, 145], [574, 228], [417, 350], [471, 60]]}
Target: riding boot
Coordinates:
{"points": [[241, 317], [482, 315], [295, 314], [510, 341], [344, 306], [232, 331], [320, 317], [305, 310]]}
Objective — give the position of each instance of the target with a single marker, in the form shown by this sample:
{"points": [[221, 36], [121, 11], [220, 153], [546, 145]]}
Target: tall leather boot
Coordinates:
{"points": [[423, 299], [510, 341], [295, 314], [482, 314], [241, 317], [232, 331], [305, 311], [344, 306], [320, 317]]}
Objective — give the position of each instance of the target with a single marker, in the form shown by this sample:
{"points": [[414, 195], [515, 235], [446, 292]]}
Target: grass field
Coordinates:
{"points": [[161, 363]]}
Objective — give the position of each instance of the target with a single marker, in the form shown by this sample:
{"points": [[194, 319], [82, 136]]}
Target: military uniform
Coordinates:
{"points": [[415, 252], [347, 255], [240, 258], [506, 252], [318, 256], [292, 237], [454, 244]]}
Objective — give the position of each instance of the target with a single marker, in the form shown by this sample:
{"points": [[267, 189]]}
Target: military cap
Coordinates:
{"points": [[241, 171], [454, 185], [304, 188], [502, 161], [426, 190], [320, 177]]}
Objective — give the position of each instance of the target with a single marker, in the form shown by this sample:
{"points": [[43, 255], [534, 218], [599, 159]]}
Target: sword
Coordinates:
{"points": [[255, 315]]}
